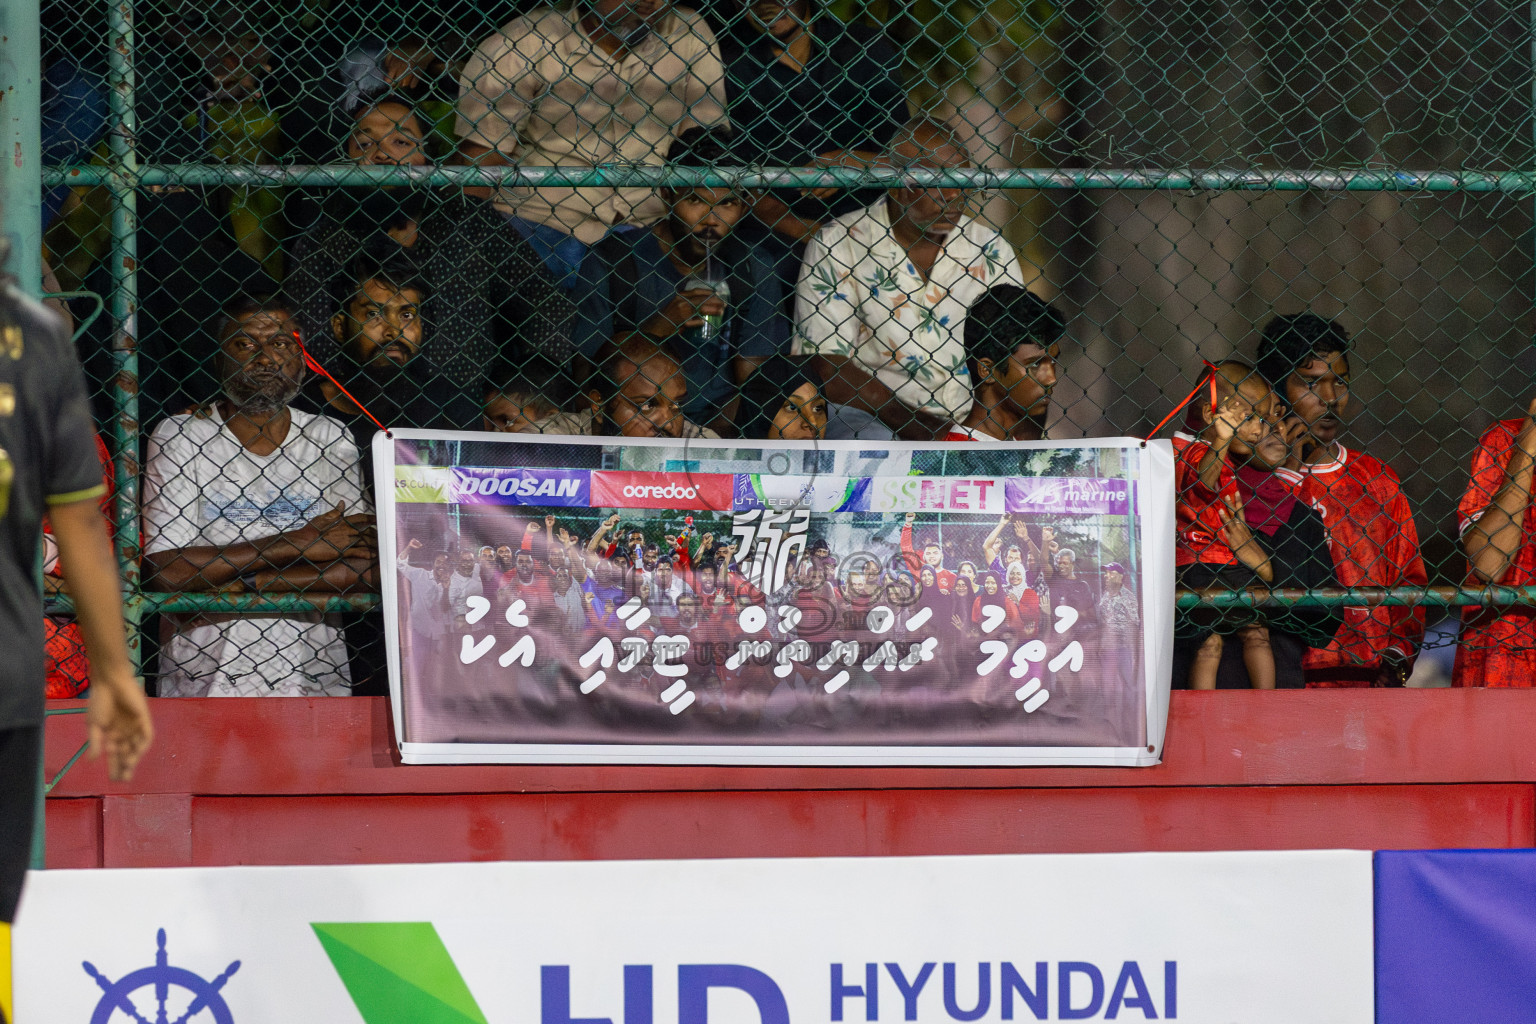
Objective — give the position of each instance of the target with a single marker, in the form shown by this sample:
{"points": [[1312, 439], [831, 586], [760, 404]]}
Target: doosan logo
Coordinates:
{"points": [[657, 491]]}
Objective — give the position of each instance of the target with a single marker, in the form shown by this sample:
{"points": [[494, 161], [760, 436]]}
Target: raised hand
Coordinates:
{"points": [[911, 518]]}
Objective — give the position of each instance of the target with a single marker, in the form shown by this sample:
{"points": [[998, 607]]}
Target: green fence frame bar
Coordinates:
{"points": [[270, 176], [123, 262]]}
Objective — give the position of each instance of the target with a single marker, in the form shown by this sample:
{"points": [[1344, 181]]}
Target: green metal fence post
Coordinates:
{"points": [[21, 191], [125, 296], [21, 147]]}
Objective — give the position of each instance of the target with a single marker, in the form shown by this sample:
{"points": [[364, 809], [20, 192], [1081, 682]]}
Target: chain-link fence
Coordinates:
{"points": [[953, 218]]}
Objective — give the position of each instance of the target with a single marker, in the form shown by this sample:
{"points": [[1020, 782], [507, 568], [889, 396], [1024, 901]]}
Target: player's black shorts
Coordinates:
{"points": [[19, 752]]}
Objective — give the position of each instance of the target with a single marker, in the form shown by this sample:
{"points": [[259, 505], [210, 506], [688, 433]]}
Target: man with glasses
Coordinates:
{"points": [[883, 296]]}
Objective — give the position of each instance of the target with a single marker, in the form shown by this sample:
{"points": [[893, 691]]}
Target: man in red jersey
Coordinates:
{"points": [[1370, 525], [1012, 342], [1498, 645]]}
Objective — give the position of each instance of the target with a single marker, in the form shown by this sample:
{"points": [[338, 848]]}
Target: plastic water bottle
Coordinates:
{"points": [[711, 280]]}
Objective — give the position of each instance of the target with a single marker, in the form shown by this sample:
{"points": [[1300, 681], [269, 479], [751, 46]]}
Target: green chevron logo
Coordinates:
{"points": [[399, 972]]}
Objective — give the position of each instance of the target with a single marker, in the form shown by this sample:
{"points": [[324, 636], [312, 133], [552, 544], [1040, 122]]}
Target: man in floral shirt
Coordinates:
{"points": [[884, 291]]}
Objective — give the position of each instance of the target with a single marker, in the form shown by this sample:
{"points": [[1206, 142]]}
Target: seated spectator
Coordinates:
{"points": [[809, 91], [516, 401], [210, 100], [882, 299], [249, 494], [782, 401], [73, 117], [1012, 342], [407, 68], [380, 331], [690, 281], [1370, 524], [581, 85], [639, 392], [494, 301], [1215, 548], [1498, 521], [1292, 532]]}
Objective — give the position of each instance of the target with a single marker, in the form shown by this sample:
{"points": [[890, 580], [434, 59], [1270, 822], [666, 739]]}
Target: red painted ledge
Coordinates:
{"points": [[343, 746]]}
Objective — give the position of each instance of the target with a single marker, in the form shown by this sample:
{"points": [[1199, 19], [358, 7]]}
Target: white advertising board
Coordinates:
{"points": [[1215, 938]]}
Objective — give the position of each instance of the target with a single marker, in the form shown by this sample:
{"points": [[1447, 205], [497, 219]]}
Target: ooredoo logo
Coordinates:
{"points": [[702, 491], [653, 491]]}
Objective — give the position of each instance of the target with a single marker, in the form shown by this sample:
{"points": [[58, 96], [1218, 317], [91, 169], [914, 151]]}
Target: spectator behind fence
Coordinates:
{"points": [[381, 332], [1498, 521], [208, 98], [1292, 532], [248, 494], [516, 401], [1216, 550], [638, 391], [72, 118], [580, 85], [883, 295], [492, 298], [691, 281], [808, 91], [782, 401], [1370, 525], [1012, 342]]}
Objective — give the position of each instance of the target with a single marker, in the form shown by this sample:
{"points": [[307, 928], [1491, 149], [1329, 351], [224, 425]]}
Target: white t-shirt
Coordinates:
{"points": [[203, 487]]}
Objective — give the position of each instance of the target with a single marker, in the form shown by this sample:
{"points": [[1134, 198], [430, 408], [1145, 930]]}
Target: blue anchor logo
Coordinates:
{"points": [[162, 977]]}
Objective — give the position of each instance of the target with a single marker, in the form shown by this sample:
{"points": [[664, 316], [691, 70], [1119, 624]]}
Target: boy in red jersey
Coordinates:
{"points": [[1496, 516], [1370, 525], [1216, 549], [1012, 342]]}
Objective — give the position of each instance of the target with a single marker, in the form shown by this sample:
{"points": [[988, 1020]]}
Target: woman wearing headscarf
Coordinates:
{"points": [[782, 401]]}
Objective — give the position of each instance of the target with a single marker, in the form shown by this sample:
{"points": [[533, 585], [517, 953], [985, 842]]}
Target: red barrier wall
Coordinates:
{"points": [[318, 782]]}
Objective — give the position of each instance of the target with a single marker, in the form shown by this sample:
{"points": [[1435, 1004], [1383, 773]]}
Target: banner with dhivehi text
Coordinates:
{"points": [[588, 599]]}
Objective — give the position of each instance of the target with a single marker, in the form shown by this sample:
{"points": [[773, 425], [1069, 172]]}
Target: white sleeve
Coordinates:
{"points": [[344, 468], [171, 493]]}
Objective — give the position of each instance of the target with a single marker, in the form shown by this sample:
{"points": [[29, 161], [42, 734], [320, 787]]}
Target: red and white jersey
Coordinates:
{"points": [[1498, 646], [959, 433], [1375, 543], [1202, 535]]}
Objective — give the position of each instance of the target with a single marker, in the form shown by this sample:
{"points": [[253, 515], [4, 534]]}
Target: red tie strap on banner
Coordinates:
{"points": [[1209, 375], [314, 365]]}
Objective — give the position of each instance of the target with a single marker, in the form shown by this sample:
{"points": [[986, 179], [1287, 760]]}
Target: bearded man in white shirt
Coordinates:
{"points": [[248, 494], [883, 294]]}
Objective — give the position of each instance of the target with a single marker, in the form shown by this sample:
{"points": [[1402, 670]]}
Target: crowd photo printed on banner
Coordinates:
{"points": [[551, 592]]}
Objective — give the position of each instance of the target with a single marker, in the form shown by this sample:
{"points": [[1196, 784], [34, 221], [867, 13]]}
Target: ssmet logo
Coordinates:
{"points": [[399, 972]]}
